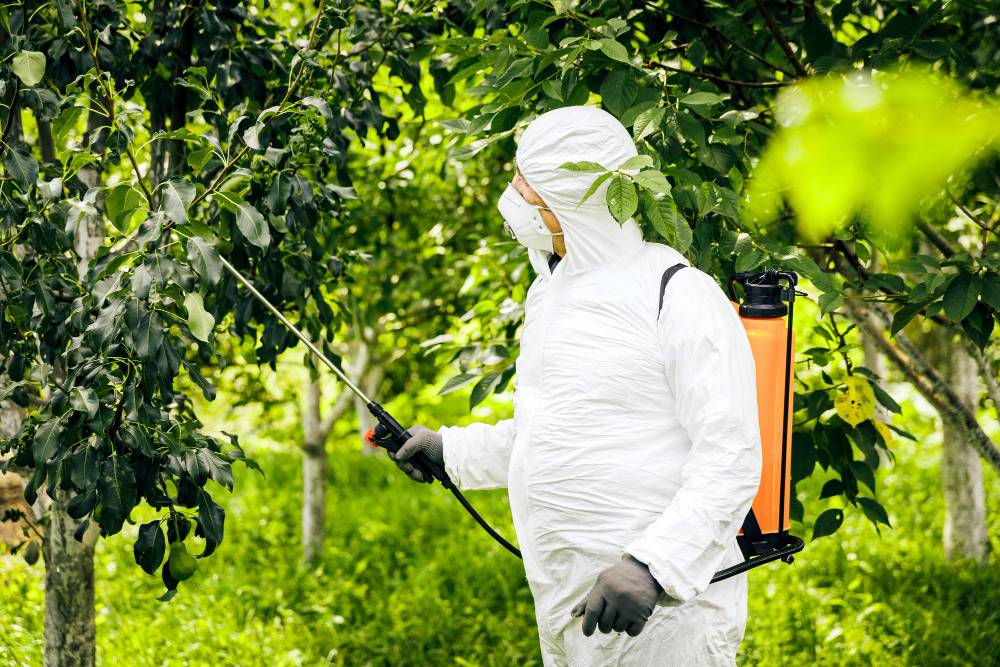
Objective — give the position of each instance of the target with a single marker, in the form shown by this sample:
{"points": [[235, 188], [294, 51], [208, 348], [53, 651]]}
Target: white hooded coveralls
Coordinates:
{"points": [[631, 433]]}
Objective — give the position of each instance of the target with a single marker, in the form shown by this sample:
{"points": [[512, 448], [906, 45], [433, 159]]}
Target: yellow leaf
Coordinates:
{"points": [[857, 402], [885, 431]]}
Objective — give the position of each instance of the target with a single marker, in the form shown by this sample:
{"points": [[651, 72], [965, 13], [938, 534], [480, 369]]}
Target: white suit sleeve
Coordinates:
{"points": [[711, 373], [477, 456]]}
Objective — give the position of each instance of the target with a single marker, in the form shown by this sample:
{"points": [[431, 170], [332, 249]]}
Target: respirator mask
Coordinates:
{"points": [[523, 221]]}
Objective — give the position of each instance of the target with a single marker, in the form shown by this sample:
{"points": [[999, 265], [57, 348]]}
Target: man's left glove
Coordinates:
{"points": [[621, 600]]}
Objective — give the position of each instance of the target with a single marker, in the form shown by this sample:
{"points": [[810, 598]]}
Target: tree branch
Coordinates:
{"points": [[722, 79], [85, 29], [936, 238], [715, 31], [780, 36], [970, 215], [11, 110], [281, 107], [875, 320]]}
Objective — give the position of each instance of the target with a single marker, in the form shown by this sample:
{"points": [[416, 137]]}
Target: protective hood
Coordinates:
{"points": [[576, 134]]}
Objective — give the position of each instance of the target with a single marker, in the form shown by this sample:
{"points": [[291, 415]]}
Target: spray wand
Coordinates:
{"points": [[388, 433]]}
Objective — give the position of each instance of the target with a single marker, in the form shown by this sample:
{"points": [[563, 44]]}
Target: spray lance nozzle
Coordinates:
{"points": [[390, 435]]}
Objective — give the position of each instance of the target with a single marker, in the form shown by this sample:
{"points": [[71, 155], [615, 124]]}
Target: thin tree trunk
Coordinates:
{"points": [[965, 528], [316, 431], [69, 590], [313, 476], [875, 363], [70, 638]]}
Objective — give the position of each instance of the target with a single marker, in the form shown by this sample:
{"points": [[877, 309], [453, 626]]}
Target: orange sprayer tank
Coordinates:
{"points": [[768, 339], [768, 323]]}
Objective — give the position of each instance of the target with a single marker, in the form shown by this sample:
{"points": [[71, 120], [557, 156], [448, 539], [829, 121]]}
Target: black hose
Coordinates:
{"points": [[482, 522]]}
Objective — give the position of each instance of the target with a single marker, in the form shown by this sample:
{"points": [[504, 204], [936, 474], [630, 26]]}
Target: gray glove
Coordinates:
{"points": [[621, 600], [423, 440]]}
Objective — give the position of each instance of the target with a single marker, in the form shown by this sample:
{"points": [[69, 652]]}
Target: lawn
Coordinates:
{"points": [[408, 579]]}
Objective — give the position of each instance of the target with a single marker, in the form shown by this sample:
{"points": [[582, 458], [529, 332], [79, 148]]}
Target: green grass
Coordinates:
{"points": [[408, 579]]}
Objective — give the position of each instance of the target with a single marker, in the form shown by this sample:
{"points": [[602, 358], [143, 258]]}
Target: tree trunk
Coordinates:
{"points": [[875, 363], [313, 476], [69, 564], [69, 590], [965, 532]]}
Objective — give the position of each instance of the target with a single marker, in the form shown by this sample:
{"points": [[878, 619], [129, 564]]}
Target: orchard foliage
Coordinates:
{"points": [[696, 83], [180, 133]]}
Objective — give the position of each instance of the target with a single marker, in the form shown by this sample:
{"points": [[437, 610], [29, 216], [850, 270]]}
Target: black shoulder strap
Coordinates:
{"points": [[667, 275]]}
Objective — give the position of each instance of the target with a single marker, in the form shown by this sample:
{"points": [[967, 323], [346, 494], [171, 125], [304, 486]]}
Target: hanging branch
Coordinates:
{"points": [[722, 79], [874, 320], [92, 48], [718, 33], [780, 36], [281, 107], [970, 215]]}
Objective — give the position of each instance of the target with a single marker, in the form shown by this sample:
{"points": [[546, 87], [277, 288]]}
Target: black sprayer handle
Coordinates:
{"points": [[390, 435]]}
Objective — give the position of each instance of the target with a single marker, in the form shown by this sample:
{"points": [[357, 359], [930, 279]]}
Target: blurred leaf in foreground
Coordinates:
{"points": [[872, 146]]}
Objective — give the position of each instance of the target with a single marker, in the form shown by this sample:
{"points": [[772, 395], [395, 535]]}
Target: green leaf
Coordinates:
{"points": [[832, 487], [652, 212], [482, 389], [873, 510], [828, 522], [653, 180], [82, 504], [211, 522], [864, 474], [253, 226], [681, 236], [961, 296], [584, 167], [991, 290], [148, 337], [198, 158], [150, 547], [750, 260], [251, 136], [614, 50], [21, 166], [978, 325], [205, 259], [621, 198], [456, 382], [636, 162], [178, 194], [64, 124], [116, 488], [200, 321], [29, 66], [121, 203], [593, 186], [83, 399], [46, 441], [647, 122], [701, 99], [829, 301], [904, 315], [886, 400], [277, 194]]}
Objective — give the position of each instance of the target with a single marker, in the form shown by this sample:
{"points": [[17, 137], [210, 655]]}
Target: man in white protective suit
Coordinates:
{"points": [[634, 452]]}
